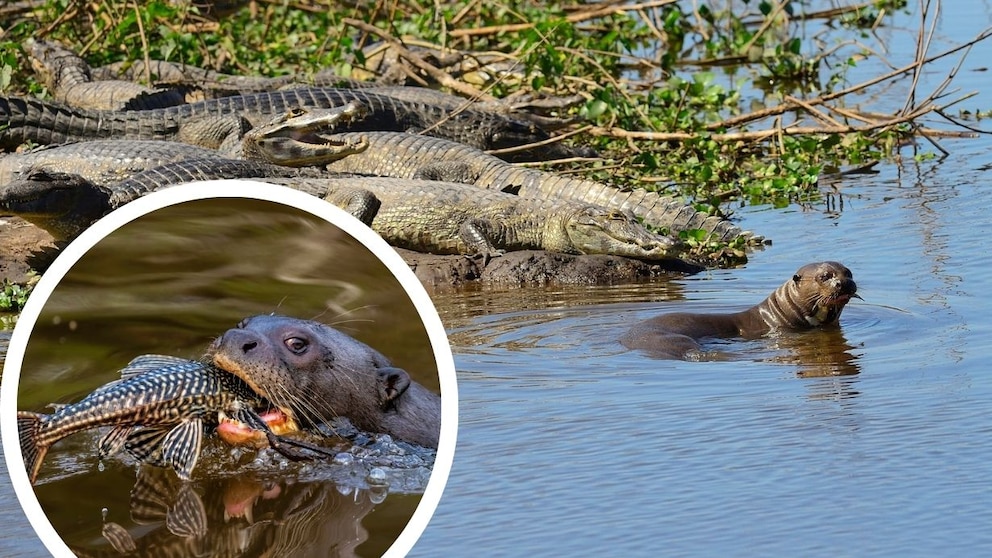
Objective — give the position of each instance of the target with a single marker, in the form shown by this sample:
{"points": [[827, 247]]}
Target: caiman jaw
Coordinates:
{"points": [[295, 139]]}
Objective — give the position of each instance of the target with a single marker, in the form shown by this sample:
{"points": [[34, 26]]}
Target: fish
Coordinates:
{"points": [[157, 412]]}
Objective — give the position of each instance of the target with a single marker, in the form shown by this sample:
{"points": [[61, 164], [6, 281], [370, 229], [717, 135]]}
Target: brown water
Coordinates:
{"points": [[171, 282]]}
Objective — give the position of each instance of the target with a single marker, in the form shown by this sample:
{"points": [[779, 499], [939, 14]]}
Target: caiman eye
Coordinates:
{"points": [[297, 344]]}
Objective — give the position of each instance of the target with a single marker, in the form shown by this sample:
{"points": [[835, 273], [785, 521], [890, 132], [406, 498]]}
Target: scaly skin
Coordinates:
{"points": [[102, 162], [418, 214], [65, 204], [402, 155], [291, 139], [209, 123], [68, 78], [451, 218], [216, 84]]}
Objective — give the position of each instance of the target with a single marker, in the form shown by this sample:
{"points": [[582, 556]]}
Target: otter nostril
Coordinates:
{"points": [[248, 346]]}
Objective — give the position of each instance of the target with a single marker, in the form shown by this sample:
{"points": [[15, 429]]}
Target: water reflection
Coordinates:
{"points": [[241, 516], [817, 353], [168, 283]]}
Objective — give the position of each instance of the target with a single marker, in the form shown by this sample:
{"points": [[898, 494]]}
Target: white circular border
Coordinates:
{"points": [[228, 189]]}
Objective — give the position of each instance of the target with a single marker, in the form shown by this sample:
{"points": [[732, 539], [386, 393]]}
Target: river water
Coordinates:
{"points": [[871, 441], [170, 283]]}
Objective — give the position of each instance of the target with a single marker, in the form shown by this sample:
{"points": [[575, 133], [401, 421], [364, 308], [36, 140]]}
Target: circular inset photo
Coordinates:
{"points": [[229, 368]]}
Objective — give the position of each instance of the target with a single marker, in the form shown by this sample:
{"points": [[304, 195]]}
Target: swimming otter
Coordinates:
{"points": [[314, 372], [813, 297]]}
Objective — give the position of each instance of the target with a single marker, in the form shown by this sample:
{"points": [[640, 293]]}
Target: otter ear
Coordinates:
{"points": [[392, 383]]}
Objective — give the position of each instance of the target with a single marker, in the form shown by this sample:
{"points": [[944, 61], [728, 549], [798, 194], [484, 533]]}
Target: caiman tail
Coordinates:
{"points": [[28, 432]]}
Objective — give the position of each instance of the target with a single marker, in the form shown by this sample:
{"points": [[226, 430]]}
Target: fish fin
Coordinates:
{"points": [[29, 427], [181, 447], [187, 517], [251, 419], [151, 494], [147, 363], [282, 445], [119, 538], [145, 444], [113, 441]]}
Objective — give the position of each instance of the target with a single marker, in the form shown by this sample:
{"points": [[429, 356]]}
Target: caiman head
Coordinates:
{"points": [[54, 63], [63, 204], [298, 138], [598, 230]]}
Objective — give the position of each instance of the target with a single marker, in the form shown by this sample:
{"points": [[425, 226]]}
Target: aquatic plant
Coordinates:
{"points": [[717, 102]]}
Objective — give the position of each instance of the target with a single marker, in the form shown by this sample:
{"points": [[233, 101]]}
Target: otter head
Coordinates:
{"points": [[311, 371], [824, 289]]}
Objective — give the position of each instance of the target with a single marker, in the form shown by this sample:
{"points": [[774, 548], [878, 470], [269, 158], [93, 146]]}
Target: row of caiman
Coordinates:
{"points": [[411, 162]]}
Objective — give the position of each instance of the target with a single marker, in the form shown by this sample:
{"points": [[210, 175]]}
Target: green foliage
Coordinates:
{"points": [[867, 16], [681, 68], [12, 296]]}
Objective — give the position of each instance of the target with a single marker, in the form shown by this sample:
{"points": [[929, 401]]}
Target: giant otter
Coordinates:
{"points": [[314, 372], [813, 297]]}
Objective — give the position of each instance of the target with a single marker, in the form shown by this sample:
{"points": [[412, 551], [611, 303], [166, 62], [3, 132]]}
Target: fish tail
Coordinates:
{"points": [[28, 431]]}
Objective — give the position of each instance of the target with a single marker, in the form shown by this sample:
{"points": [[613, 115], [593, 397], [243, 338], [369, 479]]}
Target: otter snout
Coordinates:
{"points": [[236, 343]]}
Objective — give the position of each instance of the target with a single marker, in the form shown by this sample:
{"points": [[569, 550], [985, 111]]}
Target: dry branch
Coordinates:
{"points": [[594, 11]]}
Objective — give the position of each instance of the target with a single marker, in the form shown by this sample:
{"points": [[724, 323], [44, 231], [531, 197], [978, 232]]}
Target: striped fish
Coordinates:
{"points": [[158, 410]]}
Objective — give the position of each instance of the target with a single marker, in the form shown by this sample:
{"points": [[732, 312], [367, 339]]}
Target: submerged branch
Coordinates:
{"points": [[788, 106]]}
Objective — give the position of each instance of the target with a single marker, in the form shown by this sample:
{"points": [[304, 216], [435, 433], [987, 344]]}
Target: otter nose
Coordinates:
{"points": [[248, 346]]}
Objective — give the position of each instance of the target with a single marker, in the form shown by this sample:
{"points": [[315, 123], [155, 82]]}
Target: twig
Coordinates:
{"points": [[144, 43], [922, 46], [785, 107], [594, 13], [814, 112], [760, 134], [440, 76], [565, 161], [548, 141], [769, 20]]}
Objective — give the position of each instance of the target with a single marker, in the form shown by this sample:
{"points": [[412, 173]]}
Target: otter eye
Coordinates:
{"points": [[297, 345], [826, 276]]}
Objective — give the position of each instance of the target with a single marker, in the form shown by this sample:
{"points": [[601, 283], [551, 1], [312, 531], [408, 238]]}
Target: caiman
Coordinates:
{"points": [[209, 123], [68, 79], [216, 84], [100, 161], [402, 155], [65, 204], [423, 215], [290, 139], [451, 218], [212, 83], [158, 408]]}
